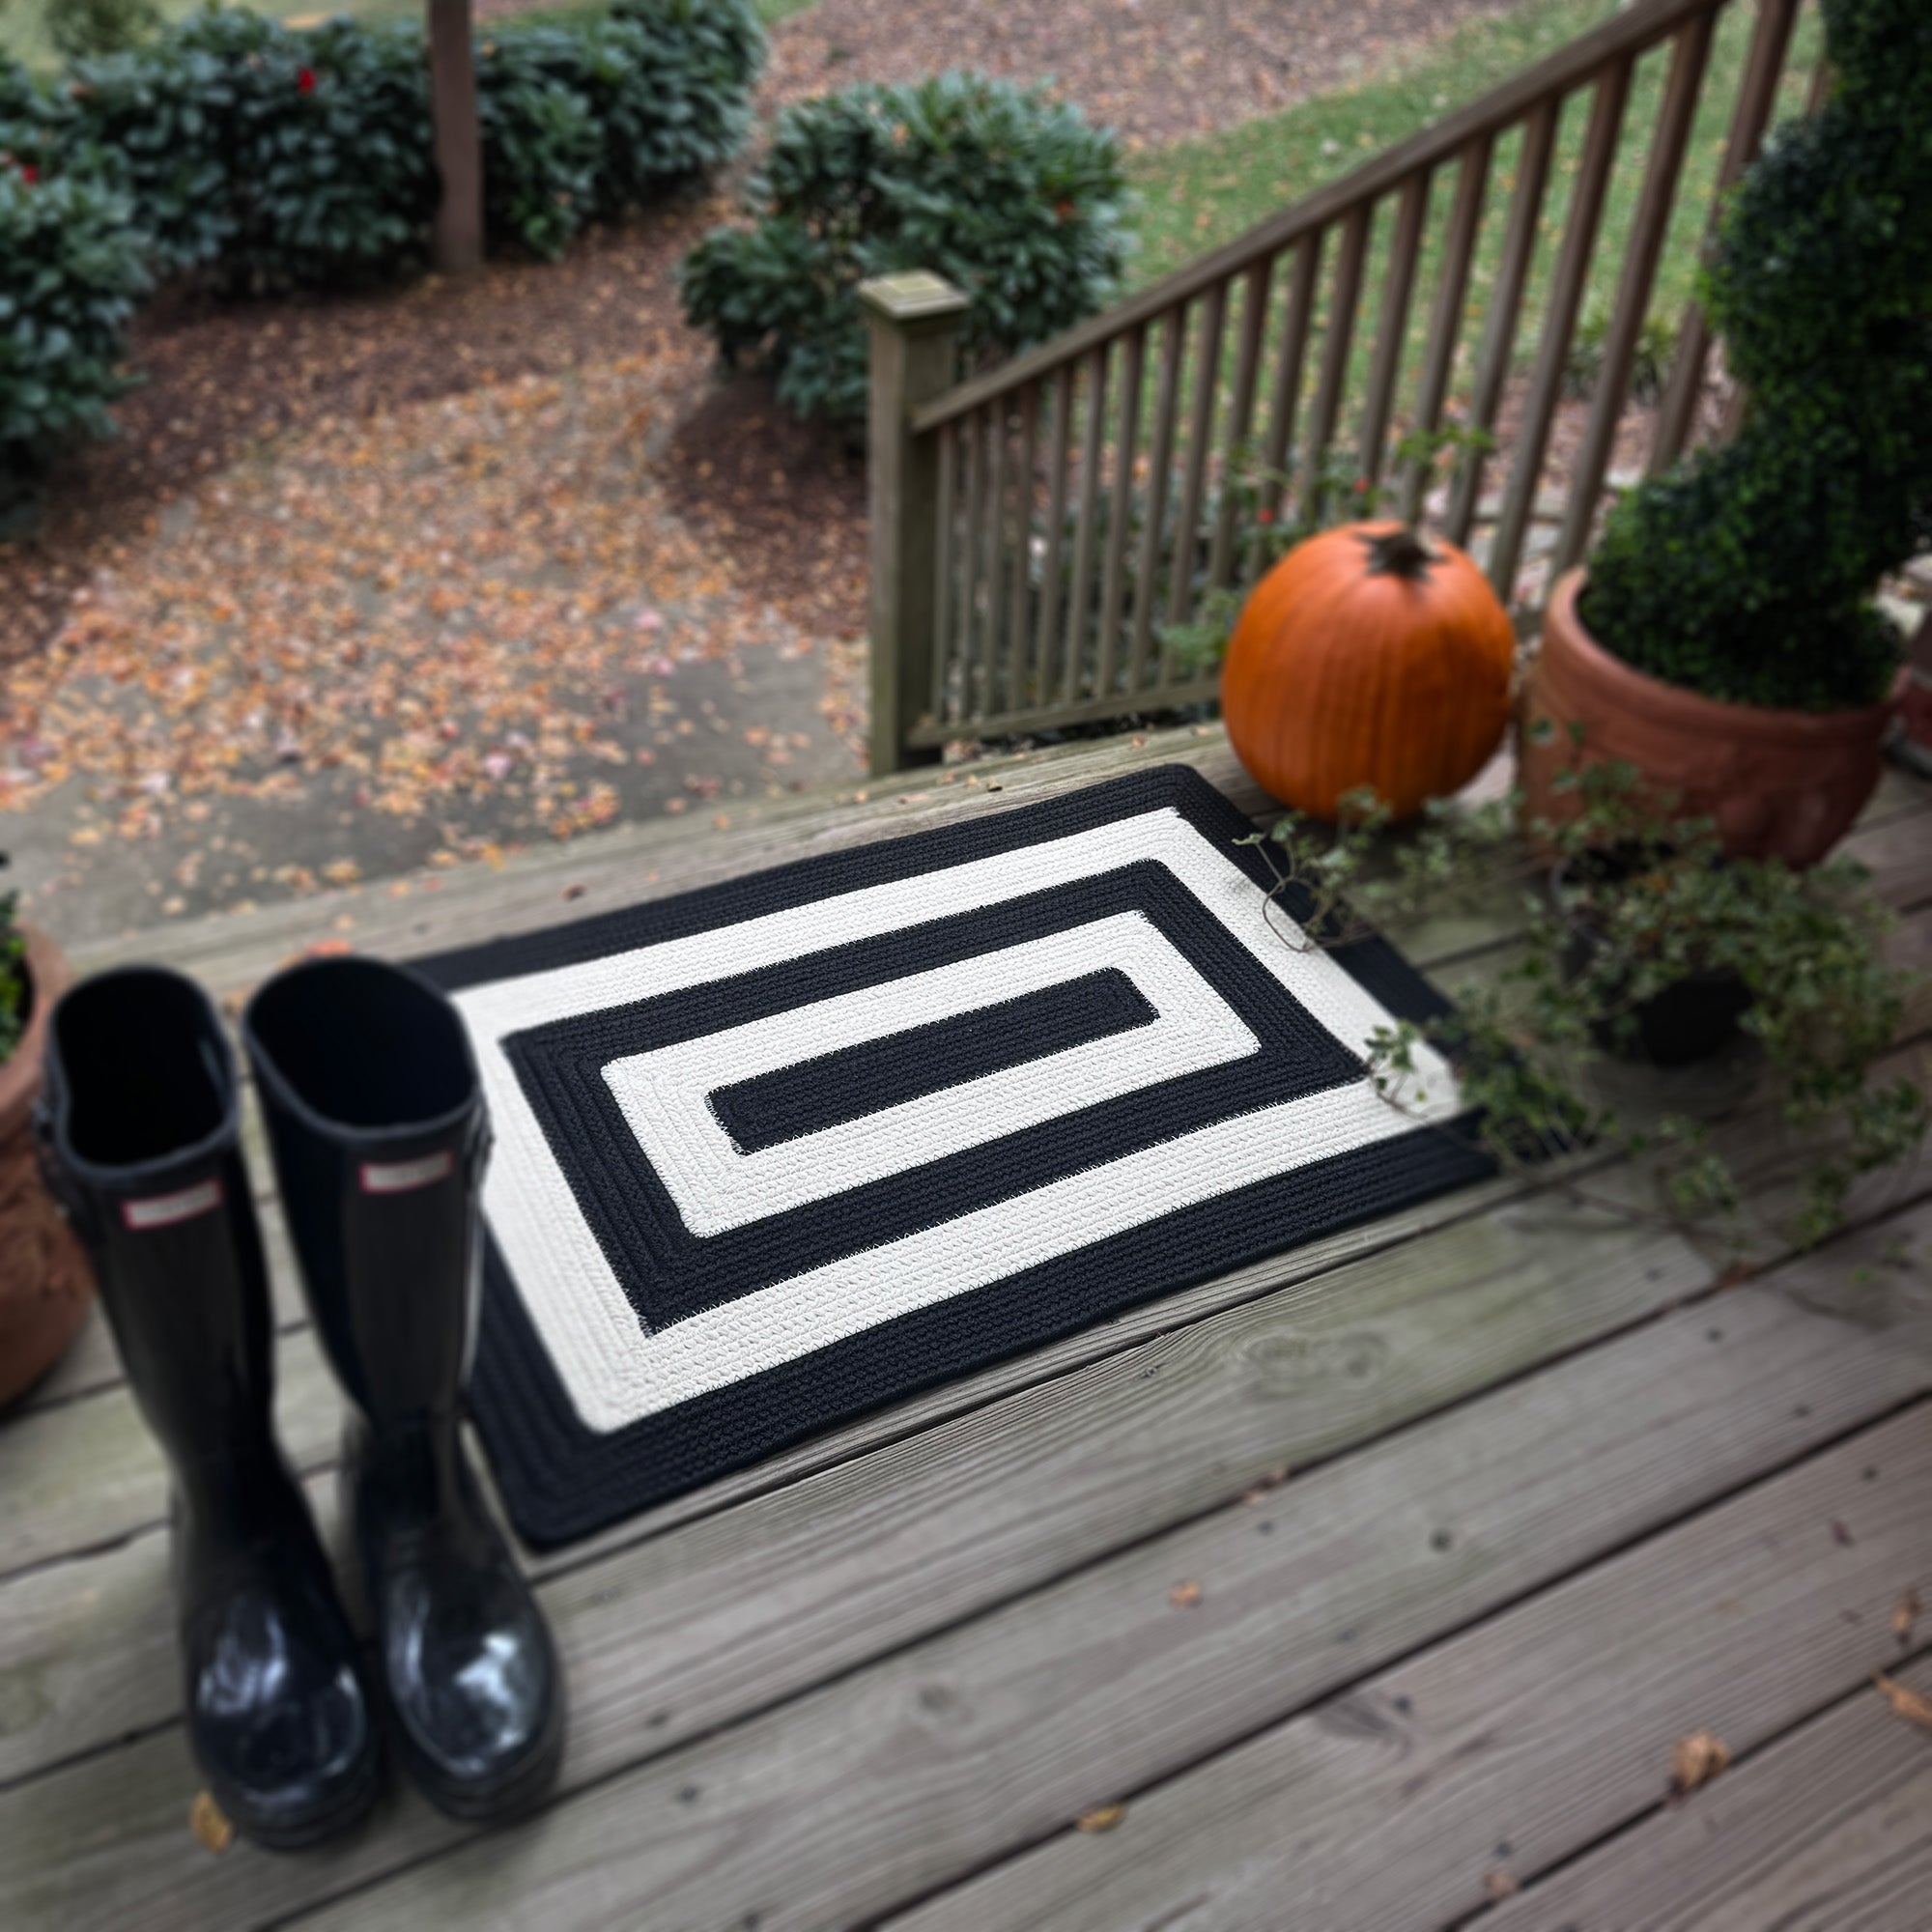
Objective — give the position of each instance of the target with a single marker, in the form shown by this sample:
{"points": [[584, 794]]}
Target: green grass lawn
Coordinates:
{"points": [[1199, 194]]}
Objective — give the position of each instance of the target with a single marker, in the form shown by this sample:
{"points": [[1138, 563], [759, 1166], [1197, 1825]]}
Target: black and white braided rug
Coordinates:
{"points": [[772, 1154]]}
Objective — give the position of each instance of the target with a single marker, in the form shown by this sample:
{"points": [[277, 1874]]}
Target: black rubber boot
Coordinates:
{"points": [[380, 1134], [140, 1140]]}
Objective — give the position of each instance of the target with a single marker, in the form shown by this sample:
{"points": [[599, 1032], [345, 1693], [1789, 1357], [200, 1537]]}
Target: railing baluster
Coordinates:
{"points": [[1340, 334], [945, 565], [1020, 683], [1241, 413], [1119, 508], [1398, 291], [972, 432], [1532, 178], [1200, 433], [1756, 98], [1689, 57], [1161, 460], [1445, 329], [997, 471], [1560, 323], [1047, 621], [1093, 444], [1286, 396]]}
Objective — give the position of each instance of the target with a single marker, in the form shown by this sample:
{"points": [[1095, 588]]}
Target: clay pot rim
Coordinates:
{"points": [[1684, 709], [48, 977]]}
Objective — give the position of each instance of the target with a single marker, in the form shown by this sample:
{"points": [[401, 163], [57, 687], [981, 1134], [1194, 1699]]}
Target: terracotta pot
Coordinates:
{"points": [[46, 1284], [1780, 784]]}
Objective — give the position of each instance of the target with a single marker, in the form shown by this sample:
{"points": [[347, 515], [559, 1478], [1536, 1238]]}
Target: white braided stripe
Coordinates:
{"points": [[617, 1373]]}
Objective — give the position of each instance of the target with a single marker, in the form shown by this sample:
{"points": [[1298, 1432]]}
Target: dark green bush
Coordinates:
{"points": [[541, 146], [275, 156], [1011, 197], [81, 27], [282, 156], [590, 121], [1747, 572], [71, 272]]}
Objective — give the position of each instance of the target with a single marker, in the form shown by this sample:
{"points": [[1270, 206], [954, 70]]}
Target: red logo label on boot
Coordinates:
{"points": [[405, 1176], [164, 1211]]}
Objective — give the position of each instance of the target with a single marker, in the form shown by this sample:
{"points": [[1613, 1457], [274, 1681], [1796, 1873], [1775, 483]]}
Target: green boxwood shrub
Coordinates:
{"points": [[1747, 572], [588, 120], [71, 273], [270, 156], [1011, 197]]}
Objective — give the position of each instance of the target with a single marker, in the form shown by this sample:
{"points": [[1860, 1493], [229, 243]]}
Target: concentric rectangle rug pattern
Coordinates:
{"points": [[774, 1153]]}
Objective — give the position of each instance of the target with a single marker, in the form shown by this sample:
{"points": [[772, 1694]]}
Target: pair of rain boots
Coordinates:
{"points": [[377, 1123]]}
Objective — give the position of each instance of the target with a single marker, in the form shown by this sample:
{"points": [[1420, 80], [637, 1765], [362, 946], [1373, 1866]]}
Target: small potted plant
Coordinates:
{"points": [[1645, 953], [1724, 641], [46, 1285]]}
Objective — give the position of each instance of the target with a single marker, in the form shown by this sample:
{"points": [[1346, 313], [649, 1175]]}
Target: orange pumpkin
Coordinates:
{"points": [[1368, 656]]}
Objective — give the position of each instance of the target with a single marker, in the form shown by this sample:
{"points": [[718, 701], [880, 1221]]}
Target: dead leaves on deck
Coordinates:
{"points": [[1695, 1760], [1102, 1818], [1905, 1701]]}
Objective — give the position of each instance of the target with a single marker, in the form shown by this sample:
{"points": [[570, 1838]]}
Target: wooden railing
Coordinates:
{"points": [[1044, 533]]}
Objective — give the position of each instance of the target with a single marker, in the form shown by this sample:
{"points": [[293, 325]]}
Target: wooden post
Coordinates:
{"points": [[456, 240], [915, 322]]}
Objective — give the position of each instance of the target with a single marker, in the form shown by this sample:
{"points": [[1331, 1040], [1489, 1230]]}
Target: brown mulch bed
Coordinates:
{"points": [[785, 499], [1156, 71], [222, 378]]}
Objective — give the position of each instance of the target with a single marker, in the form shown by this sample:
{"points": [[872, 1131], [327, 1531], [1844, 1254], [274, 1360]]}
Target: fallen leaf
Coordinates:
{"points": [[328, 949], [1695, 1760], [1905, 1614], [1184, 1596], [1840, 1535], [1498, 1884], [1905, 1701], [1101, 1819], [205, 1819]]}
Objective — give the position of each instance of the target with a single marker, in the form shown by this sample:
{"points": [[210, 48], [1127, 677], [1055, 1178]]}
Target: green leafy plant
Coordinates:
{"points": [[1266, 530], [1650, 361], [1009, 195], [1534, 1041], [81, 27], [71, 273], [1747, 572], [278, 156], [14, 989], [591, 119]]}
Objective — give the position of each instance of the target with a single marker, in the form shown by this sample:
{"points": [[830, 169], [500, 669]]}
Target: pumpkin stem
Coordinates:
{"points": [[1400, 553]]}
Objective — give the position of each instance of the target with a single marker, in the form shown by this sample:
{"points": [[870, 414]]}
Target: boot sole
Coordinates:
{"points": [[522, 1793], [343, 1816]]}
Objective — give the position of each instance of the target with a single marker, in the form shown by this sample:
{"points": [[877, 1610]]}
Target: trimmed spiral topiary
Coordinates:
{"points": [[1747, 572]]}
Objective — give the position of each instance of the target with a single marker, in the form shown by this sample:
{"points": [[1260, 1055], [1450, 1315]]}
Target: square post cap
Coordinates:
{"points": [[915, 301]]}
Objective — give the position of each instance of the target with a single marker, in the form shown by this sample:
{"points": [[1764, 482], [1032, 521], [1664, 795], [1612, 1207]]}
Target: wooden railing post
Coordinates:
{"points": [[914, 320]]}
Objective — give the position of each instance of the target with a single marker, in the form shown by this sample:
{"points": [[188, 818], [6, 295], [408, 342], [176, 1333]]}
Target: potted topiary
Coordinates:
{"points": [[1725, 640], [44, 1283]]}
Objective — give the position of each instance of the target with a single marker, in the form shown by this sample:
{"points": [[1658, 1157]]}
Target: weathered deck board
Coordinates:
{"points": [[759, 1602], [832, 1810], [983, 1571], [649, 860], [84, 1625], [1541, 1729], [1827, 1829]]}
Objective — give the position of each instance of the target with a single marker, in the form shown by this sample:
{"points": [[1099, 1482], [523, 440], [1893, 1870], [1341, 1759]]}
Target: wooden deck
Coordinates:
{"points": [[1368, 1587]]}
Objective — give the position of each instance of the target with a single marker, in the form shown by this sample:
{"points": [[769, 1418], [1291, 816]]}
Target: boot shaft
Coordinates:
{"points": [[375, 1117], [139, 1135]]}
